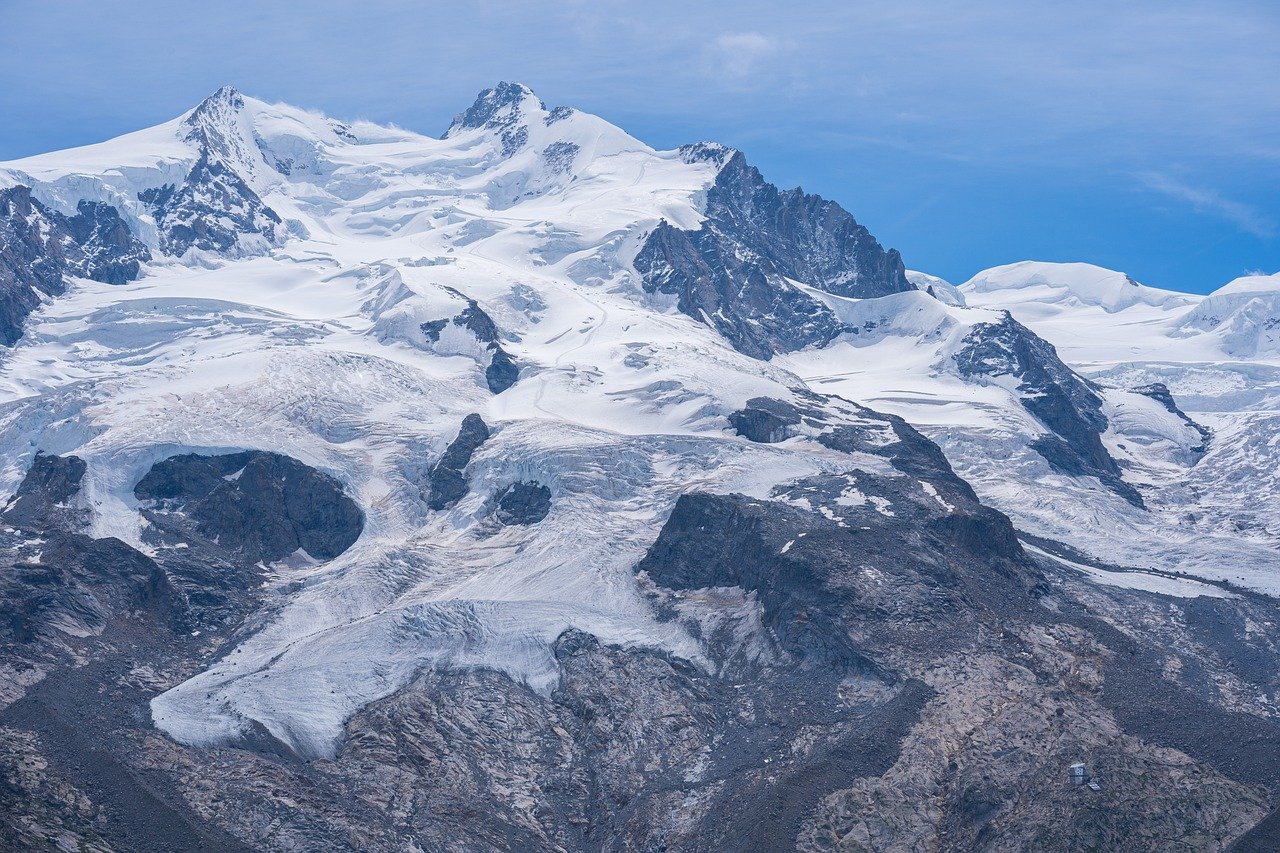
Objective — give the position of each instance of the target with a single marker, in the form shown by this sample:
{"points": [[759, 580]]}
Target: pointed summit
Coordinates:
{"points": [[216, 108], [217, 125], [499, 108]]}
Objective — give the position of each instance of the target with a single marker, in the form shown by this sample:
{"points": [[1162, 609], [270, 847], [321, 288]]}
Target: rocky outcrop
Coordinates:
{"points": [[734, 272], [882, 668], [253, 507], [40, 248], [448, 481], [64, 581], [499, 109], [523, 503], [1067, 405], [45, 498]]}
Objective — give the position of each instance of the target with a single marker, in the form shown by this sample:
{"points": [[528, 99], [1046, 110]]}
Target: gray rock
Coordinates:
{"points": [[448, 482], [1065, 403], [256, 506], [214, 207], [732, 273], [43, 501], [501, 372], [523, 503]]}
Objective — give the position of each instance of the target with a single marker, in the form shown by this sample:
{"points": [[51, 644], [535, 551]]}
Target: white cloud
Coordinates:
{"points": [[1248, 218], [740, 55]]}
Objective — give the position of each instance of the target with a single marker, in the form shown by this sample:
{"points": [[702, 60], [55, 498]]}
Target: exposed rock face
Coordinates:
{"points": [[732, 273], [758, 314], [44, 499], [214, 209], [1061, 400], [803, 237], [448, 478], [493, 108], [40, 247], [884, 669], [499, 109], [523, 503], [70, 582], [256, 506], [766, 420]]}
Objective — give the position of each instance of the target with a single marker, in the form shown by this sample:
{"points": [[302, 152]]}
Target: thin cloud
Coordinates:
{"points": [[739, 56], [1247, 218]]}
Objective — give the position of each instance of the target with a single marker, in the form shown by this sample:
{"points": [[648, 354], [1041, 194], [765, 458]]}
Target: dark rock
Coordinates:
{"points": [[448, 480], [498, 109], [765, 420], [558, 114], [252, 506], [433, 328], [108, 250], [78, 583], [804, 237], [560, 156], [750, 305], [42, 502], [732, 540], [523, 503], [493, 107], [473, 317], [502, 371], [1069, 406], [39, 248], [732, 273], [210, 211]]}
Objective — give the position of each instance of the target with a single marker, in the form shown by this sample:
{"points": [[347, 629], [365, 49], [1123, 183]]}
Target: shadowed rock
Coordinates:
{"points": [[734, 272], [448, 480], [43, 500], [39, 248], [502, 371], [255, 506], [523, 503], [1066, 404]]}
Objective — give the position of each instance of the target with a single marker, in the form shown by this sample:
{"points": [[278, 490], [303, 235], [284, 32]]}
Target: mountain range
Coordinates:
{"points": [[528, 488]]}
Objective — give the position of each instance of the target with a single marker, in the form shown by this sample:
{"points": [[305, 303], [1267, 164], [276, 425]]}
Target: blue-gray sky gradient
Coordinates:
{"points": [[1143, 136]]}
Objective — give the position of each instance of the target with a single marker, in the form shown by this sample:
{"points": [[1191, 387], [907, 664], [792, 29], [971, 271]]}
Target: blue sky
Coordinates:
{"points": [[1144, 136]]}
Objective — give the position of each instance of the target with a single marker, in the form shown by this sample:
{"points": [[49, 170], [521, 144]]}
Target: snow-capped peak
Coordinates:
{"points": [[499, 108], [1254, 283], [1065, 285]]}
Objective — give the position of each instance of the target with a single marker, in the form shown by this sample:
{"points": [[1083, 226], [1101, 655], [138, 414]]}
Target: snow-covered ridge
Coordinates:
{"points": [[1066, 284]]}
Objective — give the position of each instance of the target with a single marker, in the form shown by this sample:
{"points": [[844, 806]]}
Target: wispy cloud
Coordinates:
{"points": [[738, 56], [1246, 217]]}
